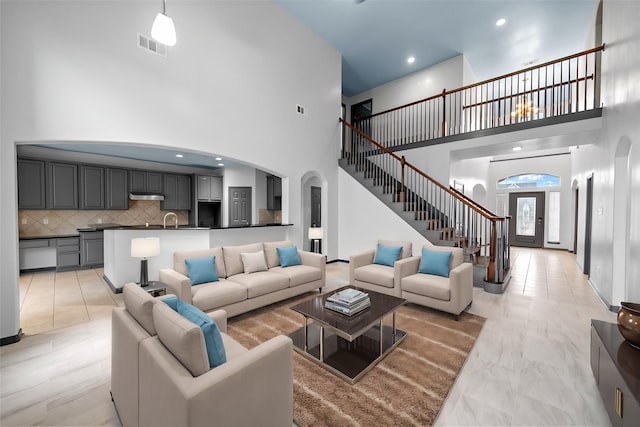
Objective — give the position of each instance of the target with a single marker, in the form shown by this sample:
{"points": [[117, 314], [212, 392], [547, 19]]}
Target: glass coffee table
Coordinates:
{"points": [[348, 346]]}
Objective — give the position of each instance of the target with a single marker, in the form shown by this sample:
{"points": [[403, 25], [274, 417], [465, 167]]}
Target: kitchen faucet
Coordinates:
{"points": [[164, 220]]}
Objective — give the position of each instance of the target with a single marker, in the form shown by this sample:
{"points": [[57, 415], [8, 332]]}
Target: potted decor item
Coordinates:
{"points": [[629, 323]]}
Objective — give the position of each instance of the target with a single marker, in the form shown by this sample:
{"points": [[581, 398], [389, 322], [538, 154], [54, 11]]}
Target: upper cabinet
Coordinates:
{"points": [[31, 184], [209, 188], [143, 181], [91, 187], [117, 189], [177, 192], [274, 193], [62, 185]]}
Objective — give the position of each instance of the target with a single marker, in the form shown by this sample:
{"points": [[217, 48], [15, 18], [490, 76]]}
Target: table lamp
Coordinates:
{"points": [[315, 235], [145, 247]]}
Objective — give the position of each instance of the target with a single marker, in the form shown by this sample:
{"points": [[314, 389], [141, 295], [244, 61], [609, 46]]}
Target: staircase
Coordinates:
{"points": [[442, 215]]}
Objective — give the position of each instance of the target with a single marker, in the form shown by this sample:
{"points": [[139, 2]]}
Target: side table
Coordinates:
{"points": [[156, 288], [616, 369]]}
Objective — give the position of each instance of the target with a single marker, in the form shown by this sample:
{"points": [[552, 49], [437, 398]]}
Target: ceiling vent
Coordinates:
{"points": [[151, 45]]}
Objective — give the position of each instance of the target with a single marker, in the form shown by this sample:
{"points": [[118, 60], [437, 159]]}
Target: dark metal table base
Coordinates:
{"points": [[349, 360]]}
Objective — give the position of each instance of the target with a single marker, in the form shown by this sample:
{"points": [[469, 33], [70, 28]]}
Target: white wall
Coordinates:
{"points": [[621, 99], [416, 86], [72, 71], [364, 219]]}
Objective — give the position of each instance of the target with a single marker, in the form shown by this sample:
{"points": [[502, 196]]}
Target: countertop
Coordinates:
{"points": [[99, 227], [111, 226], [53, 236]]}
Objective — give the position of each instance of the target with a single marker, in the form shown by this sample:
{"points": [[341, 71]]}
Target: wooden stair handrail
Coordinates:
{"points": [[472, 202], [484, 212], [504, 76]]}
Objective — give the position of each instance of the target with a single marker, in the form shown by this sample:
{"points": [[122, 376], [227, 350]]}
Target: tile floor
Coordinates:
{"points": [[530, 365]]}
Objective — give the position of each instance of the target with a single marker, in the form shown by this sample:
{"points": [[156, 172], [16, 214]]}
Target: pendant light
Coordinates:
{"points": [[163, 30]]}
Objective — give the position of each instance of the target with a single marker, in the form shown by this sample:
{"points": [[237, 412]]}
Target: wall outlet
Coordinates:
{"points": [[300, 109], [45, 221], [99, 220], [24, 221]]}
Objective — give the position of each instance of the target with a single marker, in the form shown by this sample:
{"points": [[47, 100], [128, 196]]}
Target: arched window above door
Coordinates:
{"points": [[528, 180]]}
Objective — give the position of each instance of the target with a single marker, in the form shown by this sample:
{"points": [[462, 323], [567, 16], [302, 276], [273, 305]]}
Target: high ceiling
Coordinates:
{"points": [[376, 37]]}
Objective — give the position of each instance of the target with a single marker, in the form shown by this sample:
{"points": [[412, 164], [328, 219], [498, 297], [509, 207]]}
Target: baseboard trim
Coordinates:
{"points": [[12, 339], [37, 270], [114, 288]]}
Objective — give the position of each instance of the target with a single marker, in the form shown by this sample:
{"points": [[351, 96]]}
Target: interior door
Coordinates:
{"points": [[527, 219], [239, 206], [587, 228]]}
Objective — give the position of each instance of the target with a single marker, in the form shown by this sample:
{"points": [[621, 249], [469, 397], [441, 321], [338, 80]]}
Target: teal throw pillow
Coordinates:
{"points": [[172, 302], [435, 262], [212, 337], [202, 270], [387, 255], [289, 256]]}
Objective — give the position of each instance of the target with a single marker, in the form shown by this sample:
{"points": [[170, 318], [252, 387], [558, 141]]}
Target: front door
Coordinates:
{"points": [[527, 219], [239, 206]]}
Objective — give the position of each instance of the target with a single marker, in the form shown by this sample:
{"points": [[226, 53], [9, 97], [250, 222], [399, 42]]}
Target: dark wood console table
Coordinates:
{"points": [[616, 368]]}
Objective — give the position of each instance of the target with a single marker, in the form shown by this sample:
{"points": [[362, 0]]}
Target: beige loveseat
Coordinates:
{"points": [[363, 273], [451, 294], [236, 291], [152, 345]]}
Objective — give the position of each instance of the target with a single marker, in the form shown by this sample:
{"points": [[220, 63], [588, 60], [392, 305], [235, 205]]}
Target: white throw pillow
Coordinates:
{"points": [[254, 262]]}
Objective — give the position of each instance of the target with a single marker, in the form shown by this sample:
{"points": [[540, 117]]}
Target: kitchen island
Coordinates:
{"points": [[120, 268]]}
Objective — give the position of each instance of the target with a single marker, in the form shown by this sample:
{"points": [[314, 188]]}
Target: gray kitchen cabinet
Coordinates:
{"points": [[31, 184], [68, 253], [92, 187], [117, 189], [145, 181], [177, 192], [91, 249], [274, 193], [62, 186], [209, 188]]}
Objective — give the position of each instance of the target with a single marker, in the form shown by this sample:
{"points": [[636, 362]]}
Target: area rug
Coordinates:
{"points": [[408, 387]]}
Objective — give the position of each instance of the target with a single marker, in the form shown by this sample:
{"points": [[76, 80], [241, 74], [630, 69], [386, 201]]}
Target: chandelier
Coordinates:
{"points": [[524, 109]]}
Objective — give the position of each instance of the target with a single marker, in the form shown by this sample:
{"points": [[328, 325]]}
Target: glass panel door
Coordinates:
{"points": [[527, 224]]}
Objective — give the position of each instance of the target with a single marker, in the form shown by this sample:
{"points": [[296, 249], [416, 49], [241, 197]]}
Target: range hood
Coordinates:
{"points": [[143, 195]]}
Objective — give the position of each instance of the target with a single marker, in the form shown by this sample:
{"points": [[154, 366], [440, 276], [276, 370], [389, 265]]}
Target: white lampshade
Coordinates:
{"points": [[145, 247], [163, 30], [315, 233]]}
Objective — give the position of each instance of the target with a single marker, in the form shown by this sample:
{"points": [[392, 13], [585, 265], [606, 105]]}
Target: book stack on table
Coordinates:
{"points": [[348, 301]]}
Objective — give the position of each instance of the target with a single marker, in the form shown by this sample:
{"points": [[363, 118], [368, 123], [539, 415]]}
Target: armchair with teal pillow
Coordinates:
{"points": [[377, 269], [439, 279]]}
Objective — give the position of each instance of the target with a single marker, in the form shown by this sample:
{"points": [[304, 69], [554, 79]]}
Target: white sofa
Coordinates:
{"points": [[237, 292], [153, 351], [452, 294]]}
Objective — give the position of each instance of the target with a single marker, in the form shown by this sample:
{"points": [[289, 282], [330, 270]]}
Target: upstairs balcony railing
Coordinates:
{"points": [[565, 86]]}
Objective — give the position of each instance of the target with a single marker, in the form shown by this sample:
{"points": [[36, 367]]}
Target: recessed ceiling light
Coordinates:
{"points": [[218, 158], [411, 60], [220, 164], [517, 148], [500, 22], [179, 156]]}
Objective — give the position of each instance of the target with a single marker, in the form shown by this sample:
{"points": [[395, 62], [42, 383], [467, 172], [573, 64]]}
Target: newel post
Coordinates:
{"points": [[491, 267]]}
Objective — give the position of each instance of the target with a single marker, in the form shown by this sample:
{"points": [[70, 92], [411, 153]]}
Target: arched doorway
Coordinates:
{"points": [[313, 188]]}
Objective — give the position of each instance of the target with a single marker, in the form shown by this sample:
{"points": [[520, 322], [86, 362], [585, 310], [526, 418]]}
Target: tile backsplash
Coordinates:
{"points": [[32, 222], [269, 217]]}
